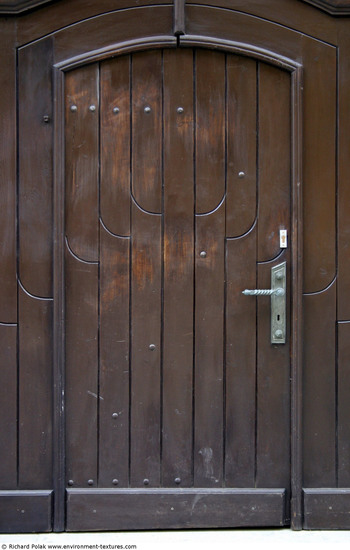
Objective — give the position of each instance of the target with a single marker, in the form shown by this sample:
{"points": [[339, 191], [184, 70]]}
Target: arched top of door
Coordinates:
{"points": [[14, 7]]}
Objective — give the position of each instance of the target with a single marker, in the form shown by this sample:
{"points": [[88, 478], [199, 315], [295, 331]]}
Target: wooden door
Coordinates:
{"points": [[177, 171]]}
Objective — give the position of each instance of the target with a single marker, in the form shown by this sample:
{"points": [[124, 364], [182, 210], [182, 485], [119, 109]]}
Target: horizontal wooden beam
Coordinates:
{"points": [[25, 511], [14, 7], [132, 509], [326, 508]]}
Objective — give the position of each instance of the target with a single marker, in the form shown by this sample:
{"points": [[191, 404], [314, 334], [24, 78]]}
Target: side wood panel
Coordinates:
{"points": [[178, 269], [319, 391], [114, 361], [8, 283], [147, 130], [343, 389], [240, 362], [82, 396], [209, 349], [190, 508], [145, 421], [115, 145], [82, 161], [241, 200], [326, 508], [8, 407], [35, 392], [35, 167], [274, 113]]}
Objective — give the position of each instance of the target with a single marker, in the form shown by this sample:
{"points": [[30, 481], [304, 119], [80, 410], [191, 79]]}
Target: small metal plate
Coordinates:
{"points": [[278, 304]]}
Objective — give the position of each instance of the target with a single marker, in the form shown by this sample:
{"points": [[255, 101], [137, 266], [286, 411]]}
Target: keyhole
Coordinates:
{"points": [[278, 317]]}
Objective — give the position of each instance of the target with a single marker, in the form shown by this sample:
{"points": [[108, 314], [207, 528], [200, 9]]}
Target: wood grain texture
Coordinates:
{"points": [[209, 349], [319, 166], [145, 420], [319, 393], [192, 509], [273, 390], [101, 31], [274, 159], [343, 384], [210, 115], [240, 444], [147, 130], [82, 395], [115, 145], [8, 283], [114, 360], [25, 511], [8, 407], [178, 269], [343, 188], [35, 392], [82, 161], [326, 508], [35, 168], [241, 201]]}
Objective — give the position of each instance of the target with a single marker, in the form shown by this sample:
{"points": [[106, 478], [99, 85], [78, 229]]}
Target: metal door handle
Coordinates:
{"points": [[278, 302], [263, 292]]}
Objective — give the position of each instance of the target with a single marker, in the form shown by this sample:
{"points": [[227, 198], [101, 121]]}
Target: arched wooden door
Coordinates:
{"points": [[177, 184]]}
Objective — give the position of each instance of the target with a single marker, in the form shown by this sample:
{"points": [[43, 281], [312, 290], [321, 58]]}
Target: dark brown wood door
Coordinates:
{"points": [[177, 186]]}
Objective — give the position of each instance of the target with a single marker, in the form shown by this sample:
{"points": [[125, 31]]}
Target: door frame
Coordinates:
{"points": [[296, 72]]}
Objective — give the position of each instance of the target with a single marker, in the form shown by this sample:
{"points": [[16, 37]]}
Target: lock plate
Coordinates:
{"points": [[278, 304]]}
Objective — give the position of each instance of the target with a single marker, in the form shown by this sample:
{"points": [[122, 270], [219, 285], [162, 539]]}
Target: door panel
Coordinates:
{"points": [[174, 392]]}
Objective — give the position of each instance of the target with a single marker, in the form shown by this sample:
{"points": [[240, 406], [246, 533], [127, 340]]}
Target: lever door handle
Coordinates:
{"points": [[277, 292], [264, 292]]}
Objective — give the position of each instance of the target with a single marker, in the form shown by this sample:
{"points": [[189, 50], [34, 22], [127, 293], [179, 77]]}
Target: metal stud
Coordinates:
{"points": [[116, 110], [177, 480], [146, 481], [115, 415], [147, 109], [115, 481], [241, 174], [46, 119], [70, 483], [152, 347], [90, 482], [92, 108], [203, 254], [73, 108], [180, 110]]}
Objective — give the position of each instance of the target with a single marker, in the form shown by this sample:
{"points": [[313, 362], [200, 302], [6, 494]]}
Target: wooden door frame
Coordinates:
{"points": [[296, 72]]}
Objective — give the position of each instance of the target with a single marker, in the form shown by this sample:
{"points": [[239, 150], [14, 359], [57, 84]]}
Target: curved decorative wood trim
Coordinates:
{"points": [[333, 7], [15, 7]]}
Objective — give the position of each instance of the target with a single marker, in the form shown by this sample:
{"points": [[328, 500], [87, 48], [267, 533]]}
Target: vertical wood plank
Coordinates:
{"points": [[145, 348], [82, 161], [241, 145], [178, 268], [274, 158], [81, 295], [35, 167], [319, 168], [8, 282], [114, 361], [35, 392], [240, 361], [115, 145], [147, 130], [319, 389], [210, 135], [209, 348], [343, 170], [343, 404], [273, 390], [8, 407]]}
